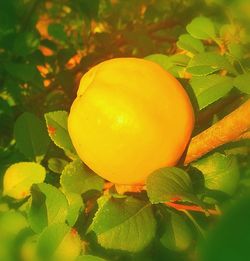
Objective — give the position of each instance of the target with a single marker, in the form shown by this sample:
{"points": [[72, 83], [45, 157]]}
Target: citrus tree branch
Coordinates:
{"points": [[233, 127]]}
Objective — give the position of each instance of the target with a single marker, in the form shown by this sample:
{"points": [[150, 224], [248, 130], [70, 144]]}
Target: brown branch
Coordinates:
{"points": [[230, 128], [195, 208]]}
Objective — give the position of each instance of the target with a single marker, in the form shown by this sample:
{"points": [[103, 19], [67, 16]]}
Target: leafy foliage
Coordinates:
{"points": [[168, 183], [31, 136], [52, 207], [77, 178], [19, 178], [118, 219]]}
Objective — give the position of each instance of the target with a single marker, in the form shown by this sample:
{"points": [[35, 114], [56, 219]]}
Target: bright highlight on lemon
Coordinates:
{"points": [[130, 118]]}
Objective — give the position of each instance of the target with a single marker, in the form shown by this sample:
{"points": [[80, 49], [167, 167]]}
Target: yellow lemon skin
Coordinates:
{"points": [[130, 118]]}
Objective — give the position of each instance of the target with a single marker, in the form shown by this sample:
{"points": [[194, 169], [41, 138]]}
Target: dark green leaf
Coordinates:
{"points": [[57, 165], [220, 172], [125, 224], [24, 72], [48, 206], [177, 235], [31, 136], [168, 183], [59, 242], [89, 8], [19, 178], [242, 82], [8, 17], [57, 32], [230, 238], [210, 88], [77, 178], [26, 43]]}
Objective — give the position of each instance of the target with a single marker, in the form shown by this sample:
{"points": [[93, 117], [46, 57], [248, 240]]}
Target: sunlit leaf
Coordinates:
{"points": [[209, 62], [124, 224], [201, 28], [221, 173], [19, 178], [210, 88], [59, 242], [75, 206], [77, 178], [190, 44], [173, 64], [57, 125], [242, 82]]}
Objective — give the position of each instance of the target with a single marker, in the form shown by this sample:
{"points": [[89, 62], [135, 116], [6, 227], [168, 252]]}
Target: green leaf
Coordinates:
{"points": [[57, 32], [89, 258], [31, 136], [201, 28], [161, 59], [173, 64], [230, 238], [48, 206], [59, 242], [75, 206], [27, 251], [220, 172], [236, 50], [78, 178], [242, 82], [210, 88], [124, 224], [19, 178], [57, 165], [201, 70], [188, 43], [8, 16], [209, 62], [26, 43], [177, 235], [167, 183], [24, 72], [57, 124], [12, 222], [89, 8]]}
